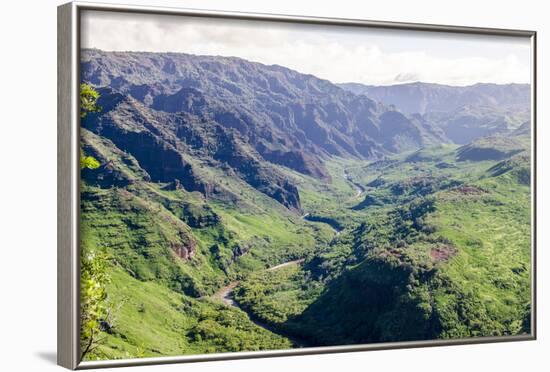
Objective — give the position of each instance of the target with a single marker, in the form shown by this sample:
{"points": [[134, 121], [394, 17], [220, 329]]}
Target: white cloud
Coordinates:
{"points": [[339, 54]]}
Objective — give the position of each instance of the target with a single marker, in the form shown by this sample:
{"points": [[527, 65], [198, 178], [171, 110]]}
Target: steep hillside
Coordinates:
{"points": [[174, 235], [443, 253], [492, 148], [289, 118]]}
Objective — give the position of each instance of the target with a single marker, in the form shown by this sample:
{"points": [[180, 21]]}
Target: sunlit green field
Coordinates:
{"points": [[426, 247]]}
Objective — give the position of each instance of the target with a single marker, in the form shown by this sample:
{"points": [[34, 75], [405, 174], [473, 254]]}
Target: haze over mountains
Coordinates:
{"points": [[462, 113], [422, 98]]}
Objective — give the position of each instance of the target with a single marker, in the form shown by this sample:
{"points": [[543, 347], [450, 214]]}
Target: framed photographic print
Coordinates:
{"points": [[236, 185]]}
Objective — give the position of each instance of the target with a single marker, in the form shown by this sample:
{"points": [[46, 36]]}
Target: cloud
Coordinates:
{"points": [[338, 54], [406, 77]]}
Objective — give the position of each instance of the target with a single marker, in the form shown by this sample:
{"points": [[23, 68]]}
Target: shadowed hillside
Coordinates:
{"points": [[237, 206]]}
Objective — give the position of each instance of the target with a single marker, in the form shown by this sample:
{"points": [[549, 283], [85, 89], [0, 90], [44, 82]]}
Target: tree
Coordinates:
{"points": [[88, 104], [88, 100], [95, 312], [88, 162]]}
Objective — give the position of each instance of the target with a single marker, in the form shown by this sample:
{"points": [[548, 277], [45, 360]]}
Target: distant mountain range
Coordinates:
{"points": [[422, 98], [286, 116], [462, 113]]}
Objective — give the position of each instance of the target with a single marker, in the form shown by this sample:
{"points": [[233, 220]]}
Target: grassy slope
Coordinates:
{"points": [[146, 274], [153, 320], [140, 225], [332, 199], [491, 232], [481, 288]]}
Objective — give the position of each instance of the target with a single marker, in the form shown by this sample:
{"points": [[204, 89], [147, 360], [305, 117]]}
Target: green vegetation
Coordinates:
{"points": [[88, 100], [232, 206], [156, 321], [165, 240], [94, 308], [95, 312], [428, 244], [88, 162], [159, 260], [445, 253], [88, 104], [275, 296]]}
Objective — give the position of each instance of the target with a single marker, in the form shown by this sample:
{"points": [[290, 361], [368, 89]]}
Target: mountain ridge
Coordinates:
{"points": [[461, 113], [420, 97], [280, 116]]}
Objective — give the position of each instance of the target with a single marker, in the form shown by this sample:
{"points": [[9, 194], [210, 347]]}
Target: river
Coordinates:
{"points": [[226, 293], [357, 186]]}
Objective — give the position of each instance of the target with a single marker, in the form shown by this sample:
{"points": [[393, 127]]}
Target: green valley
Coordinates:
{"points": [[442, 253], [232, 206]]}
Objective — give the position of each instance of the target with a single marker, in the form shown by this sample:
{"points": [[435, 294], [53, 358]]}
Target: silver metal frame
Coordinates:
{"points": [[68, 181]]}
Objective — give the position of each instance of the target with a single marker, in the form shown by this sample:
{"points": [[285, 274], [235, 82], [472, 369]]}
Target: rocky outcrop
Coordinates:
{"points": [[297, 160], [107, 175], [165, 146], [185, 252]]}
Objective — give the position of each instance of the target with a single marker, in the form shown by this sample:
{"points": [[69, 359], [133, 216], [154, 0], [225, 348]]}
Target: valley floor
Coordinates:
{"points": [[421, 246]]}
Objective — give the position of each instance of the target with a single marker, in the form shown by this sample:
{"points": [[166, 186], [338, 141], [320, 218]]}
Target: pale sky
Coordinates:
{"points": [[339, 54]]}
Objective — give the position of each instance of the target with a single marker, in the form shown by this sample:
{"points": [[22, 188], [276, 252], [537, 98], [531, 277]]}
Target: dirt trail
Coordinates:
{"points": [[295, 262], [225, 294]]}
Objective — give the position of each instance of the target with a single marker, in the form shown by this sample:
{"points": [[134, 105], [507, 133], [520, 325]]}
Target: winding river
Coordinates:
{"points": [[357, 186], [226, 293]]}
